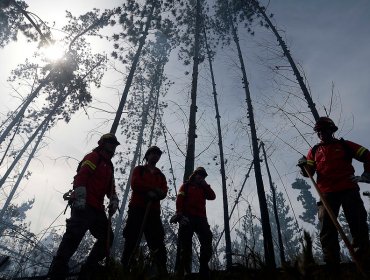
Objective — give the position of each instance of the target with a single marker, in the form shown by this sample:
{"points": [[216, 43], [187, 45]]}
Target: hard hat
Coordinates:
{"points": [[325, 123], [108, 138], [201, 171], [153, 149]]}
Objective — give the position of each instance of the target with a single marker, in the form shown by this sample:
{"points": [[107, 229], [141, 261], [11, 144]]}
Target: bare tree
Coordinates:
{"points": [[273, 197], [227, 21], [251, 8], [222, 160]]}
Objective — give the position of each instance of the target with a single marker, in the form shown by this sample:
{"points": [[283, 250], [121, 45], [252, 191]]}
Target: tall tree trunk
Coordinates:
{"points": [[190, 152], [11, 116], [23, 108], [253, 235], [45, 81], [222, 162], [273, 192], [169, 158], [58, 103], [266, 227], [132, 70], [155, 109], [45, 122], [20, 177], [11, 141], [296, 72], [237, 199], [119, 218]]}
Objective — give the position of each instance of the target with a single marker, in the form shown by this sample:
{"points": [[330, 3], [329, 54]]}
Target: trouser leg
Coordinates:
{"points": [[205, 238], [131, 232], [356, 216], [100, 230], [328, 232], [75, 231], [154, 235], [185, 239]]}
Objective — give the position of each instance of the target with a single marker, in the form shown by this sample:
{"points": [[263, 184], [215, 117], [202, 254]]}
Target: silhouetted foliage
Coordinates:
{"points": [[307, 200], [289, 231]]}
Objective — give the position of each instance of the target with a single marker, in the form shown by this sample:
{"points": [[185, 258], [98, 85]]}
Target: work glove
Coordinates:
{"points": [[302, 162], [113, 205], [79, 202], [184, 221], [181, 219]]}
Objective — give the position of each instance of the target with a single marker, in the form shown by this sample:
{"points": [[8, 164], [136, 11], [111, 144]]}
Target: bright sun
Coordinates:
{"points": [[53, 52]]}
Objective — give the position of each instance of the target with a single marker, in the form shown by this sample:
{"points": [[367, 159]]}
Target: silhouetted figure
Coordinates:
{"points": [[331, 159], [192, 218], [93, 181], [149, 186]]}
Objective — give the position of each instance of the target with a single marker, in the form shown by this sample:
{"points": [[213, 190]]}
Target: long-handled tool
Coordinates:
{"points": [[336, 224]]}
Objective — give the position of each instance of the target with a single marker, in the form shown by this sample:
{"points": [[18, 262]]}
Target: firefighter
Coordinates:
{"points": [[149, 186], [93, 181], [192, 218], [331, 159]]}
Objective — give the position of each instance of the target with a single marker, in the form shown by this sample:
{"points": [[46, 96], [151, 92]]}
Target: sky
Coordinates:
{"points": [[329, 40]]}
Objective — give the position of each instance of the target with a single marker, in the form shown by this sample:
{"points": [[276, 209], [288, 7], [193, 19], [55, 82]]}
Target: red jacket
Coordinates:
{"points": [[143, 181], [96, 174], [333, 164], [191, 199]]}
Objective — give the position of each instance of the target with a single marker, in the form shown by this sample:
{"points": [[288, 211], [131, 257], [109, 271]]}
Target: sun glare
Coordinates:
{"points": [[53, 52]]}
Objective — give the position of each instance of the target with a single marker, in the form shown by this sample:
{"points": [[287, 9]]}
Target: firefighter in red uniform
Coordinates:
{"points": [[332, 161], [149, 186], [93, 181], [192, 218]]}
